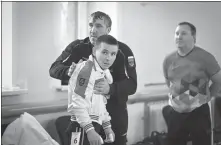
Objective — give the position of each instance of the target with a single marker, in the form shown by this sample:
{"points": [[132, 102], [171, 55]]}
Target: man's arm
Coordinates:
{"points": [[214, 72], [215, 88], [59, 69], [126, 74], [77, 99], [106, 120]]}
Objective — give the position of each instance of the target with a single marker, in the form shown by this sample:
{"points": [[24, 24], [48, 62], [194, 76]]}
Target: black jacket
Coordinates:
{"points": [[124, 75]]}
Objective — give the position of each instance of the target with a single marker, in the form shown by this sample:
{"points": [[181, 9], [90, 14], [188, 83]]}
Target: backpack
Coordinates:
{"points": [[156, 138]]}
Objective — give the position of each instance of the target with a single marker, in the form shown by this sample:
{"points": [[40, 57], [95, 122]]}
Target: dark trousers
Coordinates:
{"points": [[119, 123], [64, 127], [119, 140], [195, 125], [218, 106]]}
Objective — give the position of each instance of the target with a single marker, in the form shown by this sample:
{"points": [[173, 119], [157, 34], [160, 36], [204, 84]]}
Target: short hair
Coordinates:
{"points": [[108, 39], [101, 15], [192, 28]]}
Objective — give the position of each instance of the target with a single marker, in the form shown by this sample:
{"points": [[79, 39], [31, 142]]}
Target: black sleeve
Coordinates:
{"points": [[59, 68], [126, 75]]}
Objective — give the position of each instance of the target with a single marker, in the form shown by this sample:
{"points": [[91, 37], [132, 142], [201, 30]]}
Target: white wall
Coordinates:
{"points": [[36, 44], [148, 28], [7, 44]]}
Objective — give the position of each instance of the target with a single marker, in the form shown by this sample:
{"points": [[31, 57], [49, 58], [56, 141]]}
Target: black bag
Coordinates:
{"points": [[159, 138], [156, 138]]}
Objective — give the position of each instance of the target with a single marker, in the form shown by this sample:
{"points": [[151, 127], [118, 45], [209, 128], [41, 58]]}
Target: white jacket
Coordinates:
{"points": [[85, 106], [26, 130]]}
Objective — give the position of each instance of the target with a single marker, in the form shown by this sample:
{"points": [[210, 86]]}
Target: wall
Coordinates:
{"points": [[36, 47], [148, 28], [36, 44], [136, 122], [7, 44]]}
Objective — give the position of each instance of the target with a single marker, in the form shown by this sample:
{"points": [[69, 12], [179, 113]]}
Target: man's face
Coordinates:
{"points": [[105, 54], [97, 28], [183, 36]]}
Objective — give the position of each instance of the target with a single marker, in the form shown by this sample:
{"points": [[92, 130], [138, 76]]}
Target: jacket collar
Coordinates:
{"points": [[96, 65], [87, 41]]}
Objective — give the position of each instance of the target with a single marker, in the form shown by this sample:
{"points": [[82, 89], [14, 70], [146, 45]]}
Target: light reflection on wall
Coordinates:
{"points": [[68, 23], [7, 44]]}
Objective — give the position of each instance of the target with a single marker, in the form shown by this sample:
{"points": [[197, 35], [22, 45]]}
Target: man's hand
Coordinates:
{"points": [[94, 138], [110, 136], [102, 87], [72, 67]]}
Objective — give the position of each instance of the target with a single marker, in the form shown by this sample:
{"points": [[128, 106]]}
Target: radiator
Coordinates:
{"points": [[153, 118], [135, 123], [143, 119]]}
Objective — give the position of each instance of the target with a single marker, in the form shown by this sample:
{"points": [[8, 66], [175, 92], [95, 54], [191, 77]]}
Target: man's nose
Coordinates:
{"points": [[93, 29], [108, 57]]}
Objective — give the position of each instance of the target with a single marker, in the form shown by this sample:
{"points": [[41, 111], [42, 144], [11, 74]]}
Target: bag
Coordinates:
{"points": [[159, 138], [26, 130], [156, 138]]}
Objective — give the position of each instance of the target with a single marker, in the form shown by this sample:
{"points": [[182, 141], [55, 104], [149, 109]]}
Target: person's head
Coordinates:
{"points": [[99, 24], [185, 35], [105, 50]]}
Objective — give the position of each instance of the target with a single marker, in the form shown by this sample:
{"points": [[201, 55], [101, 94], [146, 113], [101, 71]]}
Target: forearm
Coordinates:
{"points": [[122, 89], [106, 121], [59, 71]]}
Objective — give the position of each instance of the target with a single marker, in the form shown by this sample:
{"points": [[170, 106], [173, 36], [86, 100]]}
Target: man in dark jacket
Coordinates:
{"points": [[123, 71]]}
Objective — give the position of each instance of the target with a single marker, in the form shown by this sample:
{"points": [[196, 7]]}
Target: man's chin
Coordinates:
{"points": [[93, 40], [104, 67], [179, 45]]}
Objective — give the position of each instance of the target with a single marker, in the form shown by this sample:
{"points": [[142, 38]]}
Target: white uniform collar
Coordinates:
{"points": [[96, 65]]}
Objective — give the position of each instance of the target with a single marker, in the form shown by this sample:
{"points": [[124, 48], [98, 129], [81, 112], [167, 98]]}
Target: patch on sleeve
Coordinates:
{"points": [[83, 79], [131, 61]]}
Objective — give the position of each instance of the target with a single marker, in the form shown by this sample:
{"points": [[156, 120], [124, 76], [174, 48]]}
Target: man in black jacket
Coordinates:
{"points": [[123, 71]]}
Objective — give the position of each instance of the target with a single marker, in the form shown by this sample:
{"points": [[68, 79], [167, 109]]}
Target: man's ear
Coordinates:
{"points": [[194, 37], [108, 30]]}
